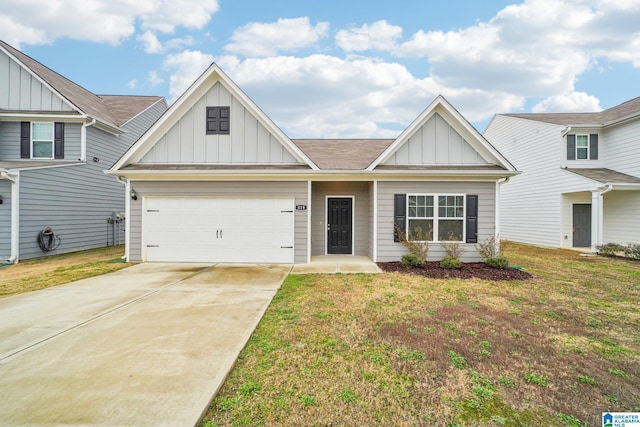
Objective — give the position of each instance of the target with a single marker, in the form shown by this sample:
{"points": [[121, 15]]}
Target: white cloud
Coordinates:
{"points": [[536, 49], [132, 84], [101, 21], [185, 68], [154, 79], [379, 36], [325, 96], [574, 102], [267, 39], [151, 44]]}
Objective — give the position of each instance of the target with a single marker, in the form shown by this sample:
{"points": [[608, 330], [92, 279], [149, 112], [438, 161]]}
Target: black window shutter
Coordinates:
{"points": [[25, 140], [571, 147], [218, 119], [399, 215], [58, 141], [593, 146], [472, 218]]}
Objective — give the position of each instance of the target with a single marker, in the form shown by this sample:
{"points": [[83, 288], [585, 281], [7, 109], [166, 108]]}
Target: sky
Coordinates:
{"points": [[346, 68]]}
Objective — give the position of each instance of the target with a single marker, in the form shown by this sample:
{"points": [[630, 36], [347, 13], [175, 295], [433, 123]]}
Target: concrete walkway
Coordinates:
{"points": [[146, 346]]}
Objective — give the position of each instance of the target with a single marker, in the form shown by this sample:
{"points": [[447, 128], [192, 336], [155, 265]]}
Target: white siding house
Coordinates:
{"points": [[580, 181]]}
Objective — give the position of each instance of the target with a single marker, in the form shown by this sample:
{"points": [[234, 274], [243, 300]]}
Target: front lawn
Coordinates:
{"points": [[397, 349]]}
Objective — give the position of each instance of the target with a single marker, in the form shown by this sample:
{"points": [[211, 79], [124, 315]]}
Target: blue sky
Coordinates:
{"points": [[346, 68]]}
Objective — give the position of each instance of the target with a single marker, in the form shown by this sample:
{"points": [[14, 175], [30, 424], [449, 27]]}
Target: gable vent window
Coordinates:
{"points": [[218, 120]]}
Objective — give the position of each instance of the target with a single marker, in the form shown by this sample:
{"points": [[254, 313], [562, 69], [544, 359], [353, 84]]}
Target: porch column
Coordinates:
{"points": [[596, 219], [375, 221]]}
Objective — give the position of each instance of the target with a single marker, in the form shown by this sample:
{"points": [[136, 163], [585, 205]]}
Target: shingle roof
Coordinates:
{"points": [[342, 154], [611, 115], [114, 110], [605, 176]]}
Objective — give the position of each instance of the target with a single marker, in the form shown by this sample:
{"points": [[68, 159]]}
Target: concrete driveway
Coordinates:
{"points": [[147, 345]]}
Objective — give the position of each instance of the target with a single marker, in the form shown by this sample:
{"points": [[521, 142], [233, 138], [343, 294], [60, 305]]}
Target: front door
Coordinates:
{"points": [[339, 225], [581, 226]]}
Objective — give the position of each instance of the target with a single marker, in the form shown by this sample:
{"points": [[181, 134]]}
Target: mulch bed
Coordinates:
{"points": [[468, 270]]}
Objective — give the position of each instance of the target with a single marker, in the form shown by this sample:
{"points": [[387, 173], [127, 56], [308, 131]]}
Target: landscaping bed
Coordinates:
{"points": [[468, 270]]}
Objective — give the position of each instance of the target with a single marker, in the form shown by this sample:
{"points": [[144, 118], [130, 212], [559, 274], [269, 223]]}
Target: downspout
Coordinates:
{"points": [[565, 131], [127, 214], [15, 210], [83, 139]]}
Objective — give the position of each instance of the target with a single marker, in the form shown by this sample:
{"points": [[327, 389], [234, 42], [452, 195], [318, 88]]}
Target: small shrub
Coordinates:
{"points": [[609, 249], [453, 248], [450, 262], [488, 248], [412, 261], [632, 251], [418, 243], [498, 262]]}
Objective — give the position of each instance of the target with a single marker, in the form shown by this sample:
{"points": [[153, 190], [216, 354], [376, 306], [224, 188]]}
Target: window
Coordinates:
{"points": [[582, 147], [442, 216], [218, 120], [42, 140]]}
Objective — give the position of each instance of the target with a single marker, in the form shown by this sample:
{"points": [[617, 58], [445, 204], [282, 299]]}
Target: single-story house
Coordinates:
{"points": [[215, 180]]}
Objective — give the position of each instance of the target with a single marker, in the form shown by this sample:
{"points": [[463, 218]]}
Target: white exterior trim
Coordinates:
{"points": [[309, 221], [14, 178], [353, 221], [375, 221]]}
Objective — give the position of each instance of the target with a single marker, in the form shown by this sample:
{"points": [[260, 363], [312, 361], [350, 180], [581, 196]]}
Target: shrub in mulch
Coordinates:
{"points": [[467, 270]]}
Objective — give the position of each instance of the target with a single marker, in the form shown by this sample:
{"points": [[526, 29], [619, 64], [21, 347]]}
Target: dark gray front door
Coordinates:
{"points": [[581, 226], [339, 225]]}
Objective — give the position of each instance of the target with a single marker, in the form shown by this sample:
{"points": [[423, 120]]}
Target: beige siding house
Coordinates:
{"points": [[215, 180]]}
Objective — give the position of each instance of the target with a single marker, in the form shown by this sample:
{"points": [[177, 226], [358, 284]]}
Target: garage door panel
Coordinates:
{"points": [[219, 229]]}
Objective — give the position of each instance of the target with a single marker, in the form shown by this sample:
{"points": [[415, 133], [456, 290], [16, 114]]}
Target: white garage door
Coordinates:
{"points": [[252, 230]]}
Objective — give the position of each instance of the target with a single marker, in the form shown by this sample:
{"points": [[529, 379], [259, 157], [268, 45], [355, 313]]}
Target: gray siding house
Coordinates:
{"points": [[56, 140], [580, 182], [215, 180]]}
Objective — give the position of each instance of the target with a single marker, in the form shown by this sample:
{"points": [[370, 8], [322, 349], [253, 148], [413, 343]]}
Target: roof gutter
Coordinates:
{"points": [[565, 131], [15, 210]]}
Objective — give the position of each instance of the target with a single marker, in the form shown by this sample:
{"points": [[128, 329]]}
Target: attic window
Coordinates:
{"points": [[218, 120]]}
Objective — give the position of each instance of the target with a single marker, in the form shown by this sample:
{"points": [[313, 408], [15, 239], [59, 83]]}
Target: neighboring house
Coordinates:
{"points": [[215, 180], [56, 140], [580, 182]]}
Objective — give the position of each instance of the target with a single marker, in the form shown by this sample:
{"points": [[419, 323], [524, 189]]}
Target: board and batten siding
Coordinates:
{"points": [[388, 250], [5, 220], [20, 90], [361, 224], [296, 189], [530, 203], [10, 141], [436, 143], [621, 223], [248, 142]]}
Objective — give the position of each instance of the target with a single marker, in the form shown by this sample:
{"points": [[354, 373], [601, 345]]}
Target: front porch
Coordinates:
{"points": [[332, 264]]}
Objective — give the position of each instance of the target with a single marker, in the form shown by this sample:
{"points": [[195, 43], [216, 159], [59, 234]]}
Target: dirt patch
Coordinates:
{"points": [[468, 270]]}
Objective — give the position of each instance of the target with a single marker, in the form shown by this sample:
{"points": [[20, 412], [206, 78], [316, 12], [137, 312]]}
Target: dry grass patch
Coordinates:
{"points": [[40, 273], [396, 349]]}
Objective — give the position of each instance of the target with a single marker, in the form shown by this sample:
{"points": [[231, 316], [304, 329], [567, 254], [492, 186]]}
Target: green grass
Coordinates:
{"points": [[395, 349]]}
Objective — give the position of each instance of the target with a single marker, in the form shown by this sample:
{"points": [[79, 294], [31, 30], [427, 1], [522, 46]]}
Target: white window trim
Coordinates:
{"points": [[436, 216], [588, 147], [53, 138]]}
